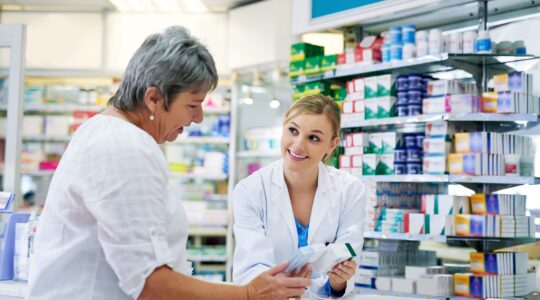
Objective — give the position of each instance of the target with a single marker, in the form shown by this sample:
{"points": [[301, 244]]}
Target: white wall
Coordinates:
{"points": [[259, 33], [75, 40]]}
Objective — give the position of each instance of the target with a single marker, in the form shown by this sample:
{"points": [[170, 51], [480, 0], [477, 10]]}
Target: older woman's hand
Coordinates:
{"points": [[340, 274], [272, 285]]}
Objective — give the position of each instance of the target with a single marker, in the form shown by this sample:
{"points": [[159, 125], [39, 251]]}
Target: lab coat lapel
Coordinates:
{"points": [[283, 201], [321, 203]]}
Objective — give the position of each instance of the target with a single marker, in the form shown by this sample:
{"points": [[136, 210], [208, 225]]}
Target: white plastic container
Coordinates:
{"points": [[456, 40], [409, 51], [469, 42], [421, 36], [435, 41], [519, 48], [483, 43], [505, 47]]}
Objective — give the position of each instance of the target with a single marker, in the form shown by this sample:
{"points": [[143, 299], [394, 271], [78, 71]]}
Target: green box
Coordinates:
{"points": [[328, 62], [371, 109], [375, 143], [296, 68], [312, 65], [340, 94], [385, 165], [301, 51], [386, 85], [317, 87], [299, 91], [386, 107], [369, 164], [389, 142], [371, 87]]}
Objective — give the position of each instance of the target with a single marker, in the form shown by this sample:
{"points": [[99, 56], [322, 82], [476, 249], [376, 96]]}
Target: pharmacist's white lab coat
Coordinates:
{"points": [[264, 223]]}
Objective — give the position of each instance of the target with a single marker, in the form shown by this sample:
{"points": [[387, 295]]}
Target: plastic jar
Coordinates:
{"points": [[414, 109], [396, 52], [402, 110], [415, 82], [402, 98], [409, 51], [483, 43], [420, 140], [410, 140], [414, 97], [469, 42], [435, 41], [386, 54], [422, 43], [395, 35], [408, 34], [402, 83], [414, 168], [400, 155], [400, 168], [414, 154], [505, 47], [519, 48], [456, 40]]}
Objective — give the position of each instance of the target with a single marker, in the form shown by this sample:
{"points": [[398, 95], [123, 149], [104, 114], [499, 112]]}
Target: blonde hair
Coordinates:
{"points": [[316, 105]]}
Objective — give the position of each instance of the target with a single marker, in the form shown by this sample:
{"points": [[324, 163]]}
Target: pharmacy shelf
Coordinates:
{"points": [[472, 63], [186, 176], [405, 178], [207, 231], [362, 292], [262, 154], [470, 117], [59, 108], [404, 236], [507, 180], [15, 289], [42, 173], [202, 140]]}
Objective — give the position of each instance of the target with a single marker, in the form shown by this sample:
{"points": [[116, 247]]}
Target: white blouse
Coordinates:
{"points": [[109, 218]]}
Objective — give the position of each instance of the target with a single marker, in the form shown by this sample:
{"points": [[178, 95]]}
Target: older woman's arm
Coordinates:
{"points": [[164, 284]]}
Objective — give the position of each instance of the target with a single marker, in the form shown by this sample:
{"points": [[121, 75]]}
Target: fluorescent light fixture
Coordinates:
{"points": [[194, 6], [248, 100]]}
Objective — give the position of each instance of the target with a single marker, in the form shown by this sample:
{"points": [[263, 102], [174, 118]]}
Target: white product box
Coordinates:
{"points": [[370, 87], [334, 254], [371, 108], [57, 126], [403, 285], [439, 128], [437, 224], [434, 164], [416, 223], [345, 161], [412, 272], [437, 145], [434, 105], [32, 126], [383, 283], [389, 141], [375, 143]]}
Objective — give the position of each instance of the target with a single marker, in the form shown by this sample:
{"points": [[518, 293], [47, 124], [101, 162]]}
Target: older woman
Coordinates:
{"points": [[111, 228]]}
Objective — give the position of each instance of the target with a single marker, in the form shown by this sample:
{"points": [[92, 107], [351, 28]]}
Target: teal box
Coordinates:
{"points": [[369, 165], [371, 109], [371, 87], [385, 85], [386, 107]]}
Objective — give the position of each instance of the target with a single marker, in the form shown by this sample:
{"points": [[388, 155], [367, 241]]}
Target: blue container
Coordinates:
{"points": [[414, 97], [410, 140], [400, 155], [414, 168], [414, 154], [420, 140], [395, 34], [402, 110], [402, 98], [402, 83], [386, 54], [400, 168], [414, 109], [408, 34], [415, 82], [396, 52]]}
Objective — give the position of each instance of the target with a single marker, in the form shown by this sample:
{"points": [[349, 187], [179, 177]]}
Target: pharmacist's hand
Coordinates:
{"points": [[340, 273], [270, 285]]}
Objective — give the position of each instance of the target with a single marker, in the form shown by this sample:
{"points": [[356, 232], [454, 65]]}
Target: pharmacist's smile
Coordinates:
{"points": [[296, 156]]}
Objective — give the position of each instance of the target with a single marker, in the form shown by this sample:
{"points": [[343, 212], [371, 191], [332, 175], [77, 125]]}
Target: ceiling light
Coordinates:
{"points": [[275, 103], [194, 6], [247, 100]]}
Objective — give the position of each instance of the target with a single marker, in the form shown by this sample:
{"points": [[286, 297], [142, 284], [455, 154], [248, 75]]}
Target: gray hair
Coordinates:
{"points": [[173, 62]]}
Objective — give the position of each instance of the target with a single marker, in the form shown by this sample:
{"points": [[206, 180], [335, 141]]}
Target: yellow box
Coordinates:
{"points": [[489, 102], [501, 83], [462, 284], [462, 142], [455, 163], [477, 262], [478, 204]]}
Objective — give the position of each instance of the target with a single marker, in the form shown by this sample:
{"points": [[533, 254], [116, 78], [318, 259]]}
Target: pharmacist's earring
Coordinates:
{"points": [[152, 117]]}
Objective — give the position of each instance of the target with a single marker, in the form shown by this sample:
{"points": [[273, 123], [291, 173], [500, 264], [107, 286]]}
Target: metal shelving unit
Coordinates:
{"points": [[262, 154], [202, 140]]}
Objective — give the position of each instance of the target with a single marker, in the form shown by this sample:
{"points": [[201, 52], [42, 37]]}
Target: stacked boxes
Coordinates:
{"points": [[411, 89], [409, 154], [498, 275], [436, 214], [436, 146], [513, 94]]}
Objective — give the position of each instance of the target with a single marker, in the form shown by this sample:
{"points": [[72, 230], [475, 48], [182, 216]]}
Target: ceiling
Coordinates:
{"points": [[93, 5]]}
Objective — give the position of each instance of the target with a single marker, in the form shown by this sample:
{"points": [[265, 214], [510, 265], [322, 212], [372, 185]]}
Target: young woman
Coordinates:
{"points": [[299, 201]]}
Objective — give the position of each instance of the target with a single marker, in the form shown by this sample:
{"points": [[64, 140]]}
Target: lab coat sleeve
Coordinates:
{"points": [[351, 226], [254, 251]]}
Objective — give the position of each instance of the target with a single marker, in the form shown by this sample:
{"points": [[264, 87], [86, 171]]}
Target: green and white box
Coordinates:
{"points": [[385, 165], [371, 87], [384, 85], [375, 143], [370, 163], [389, 142], [371, 108], [386, 107]]}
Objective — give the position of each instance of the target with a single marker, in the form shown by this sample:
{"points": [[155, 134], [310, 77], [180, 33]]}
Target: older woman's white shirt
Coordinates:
{"points": [[109, 218]]}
